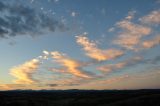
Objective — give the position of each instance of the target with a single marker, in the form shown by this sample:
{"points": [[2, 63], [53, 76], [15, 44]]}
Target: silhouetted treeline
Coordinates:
{"points": [[80, 98]]}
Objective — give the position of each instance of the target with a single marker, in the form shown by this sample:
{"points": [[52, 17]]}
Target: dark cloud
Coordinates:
{"points": [[52, 85], [154, 60], [18, 19]]}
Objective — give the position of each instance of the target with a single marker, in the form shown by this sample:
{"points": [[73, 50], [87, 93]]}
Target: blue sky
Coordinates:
{"points": [[81, 44]]}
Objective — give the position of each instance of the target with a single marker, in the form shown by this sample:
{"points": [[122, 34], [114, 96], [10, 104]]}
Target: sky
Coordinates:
{"points": [[79, 44]]}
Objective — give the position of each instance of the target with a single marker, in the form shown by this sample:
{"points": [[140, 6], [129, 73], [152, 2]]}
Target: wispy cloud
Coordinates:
{"points": [[26, 86], [114, 79], [151, 43], [130, 15], [106, 81], [24, 72], [72, 66], [126, 63], [153, 60], [152, 18], [91, 49], [11, 86], [20, 20]]}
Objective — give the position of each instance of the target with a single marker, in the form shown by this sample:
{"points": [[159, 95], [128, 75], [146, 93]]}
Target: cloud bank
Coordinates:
{"points": [[20, 20], [129, 37]]}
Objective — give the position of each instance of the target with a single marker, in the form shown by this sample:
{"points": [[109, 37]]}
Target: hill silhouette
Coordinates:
{"points": [[80, 98]]}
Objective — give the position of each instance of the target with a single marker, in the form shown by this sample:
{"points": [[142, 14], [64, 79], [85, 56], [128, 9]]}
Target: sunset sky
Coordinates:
{"points": [[79, 44]]}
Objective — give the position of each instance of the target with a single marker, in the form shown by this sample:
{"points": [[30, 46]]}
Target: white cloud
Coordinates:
{"points": [[130, 15], [73, 14], [45, 52], [111, 29]]}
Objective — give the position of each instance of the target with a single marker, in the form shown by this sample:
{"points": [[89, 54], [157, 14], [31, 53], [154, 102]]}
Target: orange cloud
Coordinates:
{"points": [[111, 67], [109, 80], [131, 34], [152, 18], [24, 72], [115, 79], [94, 52], [11, 86], [26, 86], [123, 64], [71, 65], [151, 43]]}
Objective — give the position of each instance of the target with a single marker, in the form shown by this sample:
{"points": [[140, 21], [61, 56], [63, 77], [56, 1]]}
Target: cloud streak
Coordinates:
{"points": [[91, 49], [24, 72], [72, 66], [128, 63], [112, 67], [151, 43]]}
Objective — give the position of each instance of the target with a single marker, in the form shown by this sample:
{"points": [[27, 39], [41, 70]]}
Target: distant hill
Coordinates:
{"points": [[80, 98]]}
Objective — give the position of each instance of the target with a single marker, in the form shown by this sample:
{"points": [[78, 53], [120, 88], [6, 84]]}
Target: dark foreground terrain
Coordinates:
{"points": [[80, 98]]}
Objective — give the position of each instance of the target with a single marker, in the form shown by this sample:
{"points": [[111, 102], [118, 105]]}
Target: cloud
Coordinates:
{"points": [[130, 15], [45, 52], [26, 86], [11, 86], [69, 82], [114, 79], [20, 20], [128, 63], [91, 49], [52, 85], [152, 18], [24, 72], [151, 43], [73, 81], [72, 66], [112, 67], [153, 60], [111, 80], [45, 55], [131, 34], [111, 29]]}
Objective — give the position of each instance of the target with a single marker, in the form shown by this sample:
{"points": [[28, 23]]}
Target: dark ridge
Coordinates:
{"points": [[74, 97]]}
